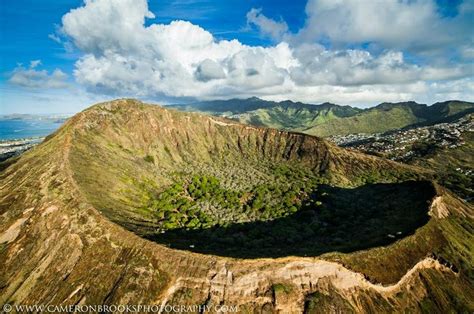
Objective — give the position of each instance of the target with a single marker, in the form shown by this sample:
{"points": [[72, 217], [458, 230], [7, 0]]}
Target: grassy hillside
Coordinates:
{"points": [[329, 119], [370, 121], [283, 115], [293, 117]]}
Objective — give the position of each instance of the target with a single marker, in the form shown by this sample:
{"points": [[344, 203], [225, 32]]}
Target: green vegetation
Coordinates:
{"points": [[202, 201], [149, 158], [317, 301], [329, 119], [281, 288], [372, 120], [329, 219]]}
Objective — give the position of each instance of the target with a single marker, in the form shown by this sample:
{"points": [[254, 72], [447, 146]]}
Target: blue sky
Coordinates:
{"points": [[26, 24], [57, 60]]}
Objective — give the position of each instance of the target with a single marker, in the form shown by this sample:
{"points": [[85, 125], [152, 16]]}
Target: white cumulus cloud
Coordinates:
{"points": [[32, 78], [415, 25], [123, 56], [267, 26], [209, 70]]}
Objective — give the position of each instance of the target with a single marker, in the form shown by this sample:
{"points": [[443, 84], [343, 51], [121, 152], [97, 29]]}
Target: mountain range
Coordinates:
{"points": [[130, 203], [330, 119]]}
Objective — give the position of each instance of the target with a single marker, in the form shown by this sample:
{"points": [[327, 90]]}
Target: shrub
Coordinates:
{"points": [[149, 158]]}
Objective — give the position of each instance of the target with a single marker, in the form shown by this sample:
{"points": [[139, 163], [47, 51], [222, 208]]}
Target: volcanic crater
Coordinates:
{"points": [[214, 186]]}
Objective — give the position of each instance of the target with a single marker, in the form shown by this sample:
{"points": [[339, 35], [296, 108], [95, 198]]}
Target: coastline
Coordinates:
{"points": [[16, 147]]}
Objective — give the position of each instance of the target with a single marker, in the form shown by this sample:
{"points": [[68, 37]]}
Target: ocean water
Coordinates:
{"points": [[15, 129]]}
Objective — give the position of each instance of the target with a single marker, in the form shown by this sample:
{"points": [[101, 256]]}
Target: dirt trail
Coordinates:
{"points": [[221, 122], [224, 286]]}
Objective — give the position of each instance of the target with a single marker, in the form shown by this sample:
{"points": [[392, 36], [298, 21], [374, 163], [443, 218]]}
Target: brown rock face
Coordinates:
{"points": [[57, 247]]}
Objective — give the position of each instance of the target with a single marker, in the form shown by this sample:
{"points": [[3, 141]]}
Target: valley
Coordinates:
{"points": [[329, 119]]}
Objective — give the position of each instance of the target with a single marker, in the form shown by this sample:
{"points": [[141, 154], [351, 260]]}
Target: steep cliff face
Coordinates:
{"points": [[60, 243]]}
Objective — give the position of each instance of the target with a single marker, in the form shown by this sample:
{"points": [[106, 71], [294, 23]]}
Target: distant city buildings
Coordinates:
{"points": [[11, 148], [402, 145]]}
